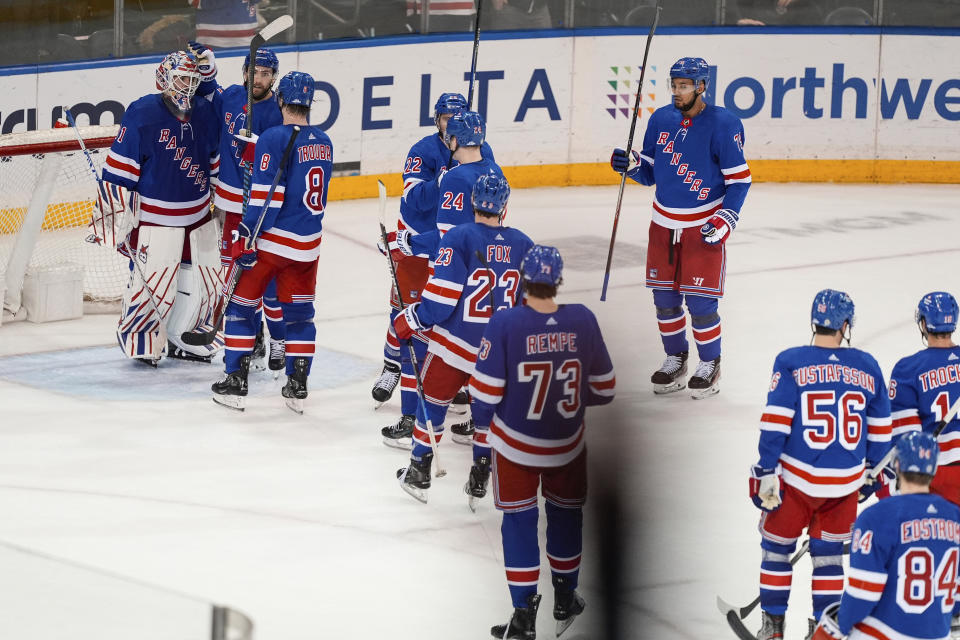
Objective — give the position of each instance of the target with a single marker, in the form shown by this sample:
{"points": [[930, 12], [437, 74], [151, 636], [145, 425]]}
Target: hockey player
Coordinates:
{"points": [[827, 412], [476, 271], [924, 386], [903, 559], [436, 206], [231, 107], [539, 367], [166, 154], [693, 153], [286, 248]]}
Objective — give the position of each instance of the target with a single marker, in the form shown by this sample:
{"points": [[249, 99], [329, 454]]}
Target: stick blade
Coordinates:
{"points": [[282, 23], [724, 606], [198, 338]]}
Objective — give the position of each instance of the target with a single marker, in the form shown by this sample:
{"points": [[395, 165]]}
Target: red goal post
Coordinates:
{"points": [[47, 195]]}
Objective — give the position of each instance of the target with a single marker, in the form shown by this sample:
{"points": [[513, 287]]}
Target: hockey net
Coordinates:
{"points": [[47, 195]]}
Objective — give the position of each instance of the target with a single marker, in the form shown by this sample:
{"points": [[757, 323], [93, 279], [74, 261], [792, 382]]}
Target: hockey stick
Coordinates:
{"points": [[382, 189], [199, 338], [623, 176], [473, 68], [736, 615], [105, 193], [937, 430]]}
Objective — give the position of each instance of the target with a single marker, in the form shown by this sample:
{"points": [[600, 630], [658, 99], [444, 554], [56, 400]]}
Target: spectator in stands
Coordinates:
{"points": [[444, 15], [774, 12], [517, 14]]}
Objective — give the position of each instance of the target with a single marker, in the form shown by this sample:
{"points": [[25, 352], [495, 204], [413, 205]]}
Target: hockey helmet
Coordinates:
{"points": [[695, 69], [831, 309], [543, 265], [490, 194], [939, 311], [449, 103], [296, 87], [917, 453], [467, 127], [263, 58], [178, 78]]}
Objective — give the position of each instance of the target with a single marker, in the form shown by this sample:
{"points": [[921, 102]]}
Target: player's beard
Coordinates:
{"points": [[685, 106], [260, 91]]}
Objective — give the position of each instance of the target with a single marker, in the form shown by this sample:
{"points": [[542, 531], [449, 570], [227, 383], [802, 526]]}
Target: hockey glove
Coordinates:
{"points": [[622, 163], [248, 141], [765, 488], [398, 244], [244, 247], [829, 628], [206, 61], [718, 227], [407, 323], [884, 485]]}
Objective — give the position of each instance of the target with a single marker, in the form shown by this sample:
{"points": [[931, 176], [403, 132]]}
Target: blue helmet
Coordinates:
{"points": [[264, 58], [543, 265], [490, 194], [831, 308], [917, 453], [449, 103], [695, 69], [939, 311], [468, 127], [296, 88]]}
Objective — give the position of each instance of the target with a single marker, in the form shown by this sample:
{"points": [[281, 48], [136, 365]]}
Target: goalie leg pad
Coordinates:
{"points": [[198, 291], [140, 331]]}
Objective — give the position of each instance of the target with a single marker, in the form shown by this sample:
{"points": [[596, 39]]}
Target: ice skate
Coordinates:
{"points": [[463, 432], [176, 352], [277, 359], [459, 404], [400, 435], [150, 362], [476, 486], [231, 391], [811, 627], [523, 622], [670, 376], [415, 479], [259, 352], [386, 383], [295, 391], [955, 627], [567, 604], [705, 380], [772, 627]]}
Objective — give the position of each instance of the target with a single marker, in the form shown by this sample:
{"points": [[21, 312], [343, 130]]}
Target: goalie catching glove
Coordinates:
{"points": [[398, 244], [407, 323], [244, 247], [765, 488]]}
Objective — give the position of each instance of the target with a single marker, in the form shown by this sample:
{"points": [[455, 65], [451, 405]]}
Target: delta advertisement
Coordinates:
{"points": [[566, 101]]}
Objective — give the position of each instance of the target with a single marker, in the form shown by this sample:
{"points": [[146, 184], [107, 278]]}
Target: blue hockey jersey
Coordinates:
{"points": [[426, 160], [536, 374], [457, 298], [827, 410], [923, 387], [292, 225], [902, 581], [231, 107], [225, 23], [169, 163], [697, 165], [453, 205]]}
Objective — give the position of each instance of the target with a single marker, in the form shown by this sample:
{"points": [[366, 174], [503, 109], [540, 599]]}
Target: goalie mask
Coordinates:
{"points": [[178, 79]]}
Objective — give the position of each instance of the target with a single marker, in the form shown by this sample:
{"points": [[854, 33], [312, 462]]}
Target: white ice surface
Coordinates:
{"points": [[298, 521]]}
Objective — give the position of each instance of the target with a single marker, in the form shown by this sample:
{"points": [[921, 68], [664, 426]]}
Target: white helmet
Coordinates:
{"points": [[178, 79]]}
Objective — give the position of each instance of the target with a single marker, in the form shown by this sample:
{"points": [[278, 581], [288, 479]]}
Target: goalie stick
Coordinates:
{"points": [[105, 194], [198, 337], [382, 192], [633, 129]]}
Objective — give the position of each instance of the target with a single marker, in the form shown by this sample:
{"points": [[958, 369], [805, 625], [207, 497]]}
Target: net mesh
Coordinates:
{"points": [[68, 235]]}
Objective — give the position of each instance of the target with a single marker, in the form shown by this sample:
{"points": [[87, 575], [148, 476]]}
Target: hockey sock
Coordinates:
{"points": [[776, 575], [274, 313], [480, 445], [408, 381], [521, 553], [301, 332], [827, 580], [239, 332], [706, 326], [421, 436], [391, 345], [564, 541], [672, 321]]}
